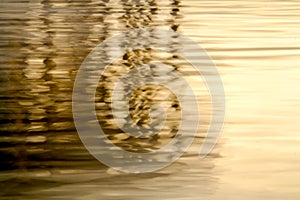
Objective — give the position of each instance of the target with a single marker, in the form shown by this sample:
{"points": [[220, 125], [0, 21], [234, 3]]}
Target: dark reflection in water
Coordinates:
{"points": [[43, 43], [140, 15]]}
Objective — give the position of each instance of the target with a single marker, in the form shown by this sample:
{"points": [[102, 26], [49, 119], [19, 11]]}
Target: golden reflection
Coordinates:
{"points": [[255, 46]]}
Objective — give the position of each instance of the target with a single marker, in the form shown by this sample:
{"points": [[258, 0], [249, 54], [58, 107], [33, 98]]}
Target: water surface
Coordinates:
{"points": [[255, 46]]}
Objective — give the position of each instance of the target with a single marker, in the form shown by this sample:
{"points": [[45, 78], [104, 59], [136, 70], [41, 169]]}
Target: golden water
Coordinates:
{"points": [[256, 48]]}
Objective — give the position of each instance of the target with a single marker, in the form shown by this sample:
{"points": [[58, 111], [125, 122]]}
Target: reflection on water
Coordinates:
{"points": [[255, 46]]}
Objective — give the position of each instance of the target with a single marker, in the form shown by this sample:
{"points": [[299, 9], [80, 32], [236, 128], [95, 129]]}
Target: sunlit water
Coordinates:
{"points": [[256, 48]]}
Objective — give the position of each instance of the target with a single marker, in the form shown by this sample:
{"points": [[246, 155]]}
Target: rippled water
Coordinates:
{"points": [[255, 46]]}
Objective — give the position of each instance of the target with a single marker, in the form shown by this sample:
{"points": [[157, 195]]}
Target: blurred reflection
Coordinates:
{"points": [[42, 45], [255, 45]]}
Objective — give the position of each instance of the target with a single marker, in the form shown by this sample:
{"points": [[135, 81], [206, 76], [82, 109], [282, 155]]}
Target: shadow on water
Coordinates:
{"points": [[43, 43]]}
